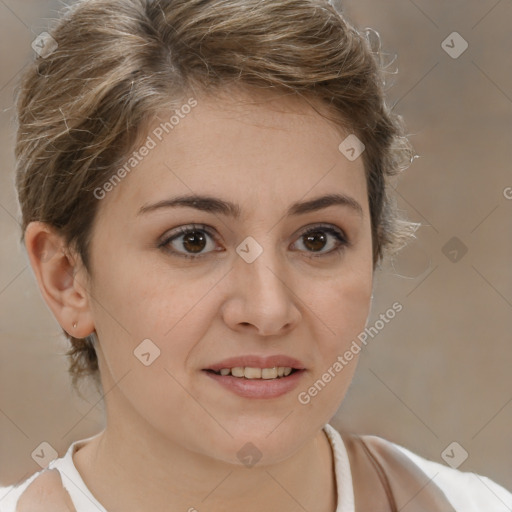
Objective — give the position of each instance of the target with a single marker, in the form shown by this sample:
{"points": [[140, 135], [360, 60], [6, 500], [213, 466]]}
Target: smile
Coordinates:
{"points": [[257, 387], [249, 372]]}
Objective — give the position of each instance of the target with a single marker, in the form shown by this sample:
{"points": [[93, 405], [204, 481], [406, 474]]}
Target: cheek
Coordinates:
{"points": [[344, 301], [343, 309], [134, 304], [342, 306]]}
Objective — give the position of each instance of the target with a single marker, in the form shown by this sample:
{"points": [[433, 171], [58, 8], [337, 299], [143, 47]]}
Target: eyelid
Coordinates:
{"points": [[327, 227], [171, 235], [342, 238]]}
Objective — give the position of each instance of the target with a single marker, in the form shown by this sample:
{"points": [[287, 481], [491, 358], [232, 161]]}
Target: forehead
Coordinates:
{"points": [[252, 149]]}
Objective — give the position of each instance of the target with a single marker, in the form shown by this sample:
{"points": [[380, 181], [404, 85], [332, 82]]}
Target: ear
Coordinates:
{"points": [[61, 277]]}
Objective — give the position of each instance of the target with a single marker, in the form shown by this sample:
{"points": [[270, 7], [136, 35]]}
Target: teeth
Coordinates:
{"points": [[252, 373], [257, 373], [269, 373], [237, 371]]}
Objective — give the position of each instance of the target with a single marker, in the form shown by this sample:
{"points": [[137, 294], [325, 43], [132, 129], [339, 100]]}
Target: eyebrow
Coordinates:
{"points": [[219, 206]]}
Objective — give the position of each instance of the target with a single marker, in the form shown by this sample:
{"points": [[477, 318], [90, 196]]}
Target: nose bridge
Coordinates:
{"points": [[262, 268], [261, 280]]}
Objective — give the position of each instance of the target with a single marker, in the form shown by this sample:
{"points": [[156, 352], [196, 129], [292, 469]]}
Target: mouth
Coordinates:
{"points": [[252, 373], [259, 383], [257, 376]]}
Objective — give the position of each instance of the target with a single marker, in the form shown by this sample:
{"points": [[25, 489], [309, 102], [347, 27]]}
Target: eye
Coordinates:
{"points": [[317, 238], [194, 239]]}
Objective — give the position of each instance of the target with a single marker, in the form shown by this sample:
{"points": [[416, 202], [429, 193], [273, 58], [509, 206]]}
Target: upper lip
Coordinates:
{"points": [[254, 361]]}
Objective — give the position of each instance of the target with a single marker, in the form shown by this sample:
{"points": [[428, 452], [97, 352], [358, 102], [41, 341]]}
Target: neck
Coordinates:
{"points": [[129, 472]]}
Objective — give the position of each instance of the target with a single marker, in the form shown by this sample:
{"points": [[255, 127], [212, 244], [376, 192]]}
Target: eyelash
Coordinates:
{"points": [[184, 230]]}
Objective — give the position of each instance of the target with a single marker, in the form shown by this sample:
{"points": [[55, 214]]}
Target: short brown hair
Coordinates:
{"points": [[118, 62]]}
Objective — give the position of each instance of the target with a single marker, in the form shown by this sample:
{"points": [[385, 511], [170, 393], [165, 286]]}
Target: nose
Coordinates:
{"points": [[263, 298]]}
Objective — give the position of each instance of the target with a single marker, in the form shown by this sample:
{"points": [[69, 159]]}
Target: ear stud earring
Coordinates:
{"points": [[74, 325]]}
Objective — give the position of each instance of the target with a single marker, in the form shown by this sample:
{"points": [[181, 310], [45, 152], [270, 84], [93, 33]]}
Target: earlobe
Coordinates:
{"points": [[61, 282]]}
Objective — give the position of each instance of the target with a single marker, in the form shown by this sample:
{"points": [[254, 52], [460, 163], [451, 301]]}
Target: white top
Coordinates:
{"points": [[467, 492]]}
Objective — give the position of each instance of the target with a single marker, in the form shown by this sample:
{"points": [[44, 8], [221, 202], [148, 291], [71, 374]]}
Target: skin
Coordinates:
{"points": [[46, 493], [172, 433]]}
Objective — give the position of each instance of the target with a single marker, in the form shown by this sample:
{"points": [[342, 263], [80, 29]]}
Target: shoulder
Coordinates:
{"points": [[46, 494], [468, 492]]}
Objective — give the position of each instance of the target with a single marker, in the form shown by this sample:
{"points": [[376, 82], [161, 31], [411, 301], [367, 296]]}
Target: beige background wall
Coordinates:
{"points": [[440, 370]]}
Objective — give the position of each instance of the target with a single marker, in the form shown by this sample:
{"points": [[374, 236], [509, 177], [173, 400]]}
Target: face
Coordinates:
{"points": [[203, 282]]}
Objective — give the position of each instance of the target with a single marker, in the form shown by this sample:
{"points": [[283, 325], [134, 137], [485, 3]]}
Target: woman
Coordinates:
{"points": [[205, 196]]}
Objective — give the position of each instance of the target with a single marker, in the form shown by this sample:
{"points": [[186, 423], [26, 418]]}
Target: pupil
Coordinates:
{"points": [[316, 235], [192, 238]]}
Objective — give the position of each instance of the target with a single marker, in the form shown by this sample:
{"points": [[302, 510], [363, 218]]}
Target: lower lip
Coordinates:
{"points": [[258, 388]]}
